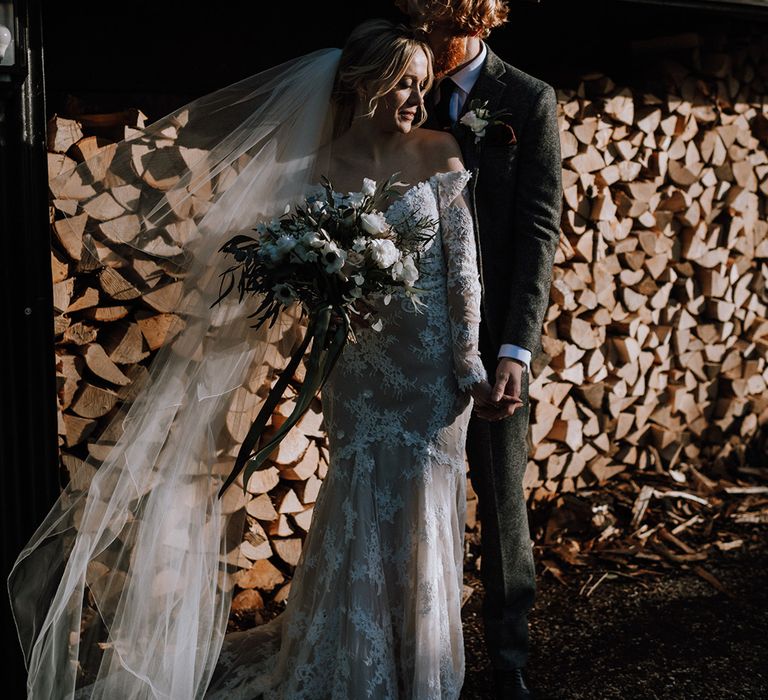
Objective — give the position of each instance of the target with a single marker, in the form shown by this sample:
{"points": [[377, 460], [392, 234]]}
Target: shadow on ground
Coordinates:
{"points": [[673, 636]]}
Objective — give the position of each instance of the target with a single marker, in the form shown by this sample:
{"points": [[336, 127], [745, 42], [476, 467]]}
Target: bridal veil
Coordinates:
{"points": [[124, 590]]}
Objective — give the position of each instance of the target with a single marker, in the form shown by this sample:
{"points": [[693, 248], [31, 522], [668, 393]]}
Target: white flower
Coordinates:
{"points": [[358, 245], [305, 255], [284, 293], [475, 122], [384, 252], [275, 226], [405, 270], [369, 187], [355, 199], [285, 244], [278, 249], [374, 223], [333, 257], [312, 239], [317, 207], [269, 252]]}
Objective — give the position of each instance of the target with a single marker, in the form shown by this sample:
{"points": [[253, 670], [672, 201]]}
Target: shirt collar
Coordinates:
{"points": [[467, 76]]}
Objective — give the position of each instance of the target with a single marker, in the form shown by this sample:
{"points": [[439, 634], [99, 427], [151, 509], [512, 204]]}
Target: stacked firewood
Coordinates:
{"points": [[104, 326], [655, 340], [113, 309]]}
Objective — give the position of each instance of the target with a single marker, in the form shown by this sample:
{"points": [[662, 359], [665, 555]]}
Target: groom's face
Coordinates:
{"points": [[449, 48]]}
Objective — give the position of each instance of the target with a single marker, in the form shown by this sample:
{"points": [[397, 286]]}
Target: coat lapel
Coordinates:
{"points": [[487, 88]]}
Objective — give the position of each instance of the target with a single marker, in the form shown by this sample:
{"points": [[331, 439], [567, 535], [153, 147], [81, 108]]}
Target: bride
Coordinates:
{"points": [[124, 590]]}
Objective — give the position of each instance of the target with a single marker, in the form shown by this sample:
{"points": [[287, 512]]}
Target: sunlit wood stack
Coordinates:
{"points": [[105, 328], [113, 310], [657, 337]]}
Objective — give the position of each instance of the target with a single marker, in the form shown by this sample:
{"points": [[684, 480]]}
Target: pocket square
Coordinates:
{"points": [[500, 134]]}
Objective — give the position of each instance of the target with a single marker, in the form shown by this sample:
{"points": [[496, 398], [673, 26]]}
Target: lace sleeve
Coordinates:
{"points": [[463, 279]]}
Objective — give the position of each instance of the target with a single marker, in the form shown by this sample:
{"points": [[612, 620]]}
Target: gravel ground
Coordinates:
{"points": [[670, 635]]}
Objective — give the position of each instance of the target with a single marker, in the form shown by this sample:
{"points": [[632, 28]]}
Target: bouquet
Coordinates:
{"points": [[328, 254]]}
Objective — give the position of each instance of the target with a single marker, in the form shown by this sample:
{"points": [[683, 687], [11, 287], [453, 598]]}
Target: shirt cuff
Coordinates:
{"points": [[516, 353]]}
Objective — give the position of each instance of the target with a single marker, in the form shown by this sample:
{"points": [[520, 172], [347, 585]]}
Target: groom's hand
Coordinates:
{"points": [[508, 385]]}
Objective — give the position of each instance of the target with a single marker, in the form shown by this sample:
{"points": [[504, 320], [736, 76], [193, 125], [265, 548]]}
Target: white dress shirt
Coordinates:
{"points": [[465, 79]]}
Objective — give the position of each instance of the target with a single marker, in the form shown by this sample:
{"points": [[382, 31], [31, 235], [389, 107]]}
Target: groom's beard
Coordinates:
{"points": [[449, 55]]}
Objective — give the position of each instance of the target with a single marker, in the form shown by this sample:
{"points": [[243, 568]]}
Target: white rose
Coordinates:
{"points": [[474, 122], [369, 187], [384, 252], [405, 270], [374, 223]]}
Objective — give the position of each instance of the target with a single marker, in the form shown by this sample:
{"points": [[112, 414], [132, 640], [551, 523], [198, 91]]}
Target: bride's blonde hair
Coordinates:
{"points": [[373, 61]]}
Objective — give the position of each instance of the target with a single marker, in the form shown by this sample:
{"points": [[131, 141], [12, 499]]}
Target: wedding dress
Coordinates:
{"points": [[374, 609]]}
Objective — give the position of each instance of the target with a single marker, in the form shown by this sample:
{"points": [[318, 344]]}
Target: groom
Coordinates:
{"points": [[517, 196]]}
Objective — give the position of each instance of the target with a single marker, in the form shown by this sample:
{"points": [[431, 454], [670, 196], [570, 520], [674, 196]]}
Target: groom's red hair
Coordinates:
{"points": [[461, 17]]}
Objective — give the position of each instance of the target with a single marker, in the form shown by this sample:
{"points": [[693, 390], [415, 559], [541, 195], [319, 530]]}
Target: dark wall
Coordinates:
{"points": [[159, 55], [29, 481]]}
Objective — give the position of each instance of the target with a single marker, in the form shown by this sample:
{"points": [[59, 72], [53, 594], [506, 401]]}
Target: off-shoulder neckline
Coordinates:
{"points": [[421, 183]]}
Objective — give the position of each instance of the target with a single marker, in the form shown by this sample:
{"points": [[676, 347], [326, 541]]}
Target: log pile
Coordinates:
{"points": [[106, 329], [655, 340]]}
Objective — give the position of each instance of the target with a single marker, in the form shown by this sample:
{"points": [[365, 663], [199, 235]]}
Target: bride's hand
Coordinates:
{"points": [[488, 409]]}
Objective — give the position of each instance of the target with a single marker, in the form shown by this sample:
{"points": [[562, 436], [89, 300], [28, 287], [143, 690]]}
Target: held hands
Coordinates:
{"points": [[495, 402]]}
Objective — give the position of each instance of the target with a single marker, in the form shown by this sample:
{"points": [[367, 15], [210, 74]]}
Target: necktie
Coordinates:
{"points": [[442, 108]]}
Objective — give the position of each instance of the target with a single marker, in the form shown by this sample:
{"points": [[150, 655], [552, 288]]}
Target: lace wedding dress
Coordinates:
{"points": [[374, 609]]}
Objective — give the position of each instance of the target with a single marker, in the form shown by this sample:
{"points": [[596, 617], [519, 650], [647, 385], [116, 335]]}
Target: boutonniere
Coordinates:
{"points": [[481, 121]]}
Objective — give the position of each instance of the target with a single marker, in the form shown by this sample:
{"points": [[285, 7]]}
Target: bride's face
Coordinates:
{"points": [[397, 109]]}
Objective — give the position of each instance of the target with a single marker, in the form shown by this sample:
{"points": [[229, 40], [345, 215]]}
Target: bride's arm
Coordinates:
{"points": [[463, 279]]}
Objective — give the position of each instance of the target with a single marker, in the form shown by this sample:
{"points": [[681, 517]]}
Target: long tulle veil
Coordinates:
{"points": [[124, 589]]}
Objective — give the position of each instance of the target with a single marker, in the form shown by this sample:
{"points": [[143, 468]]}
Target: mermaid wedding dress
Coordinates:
{"points": [[374, 609]]}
